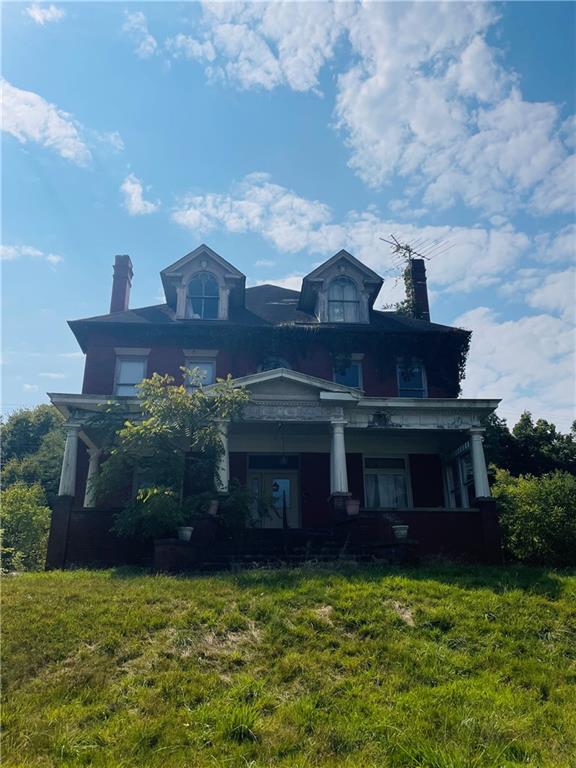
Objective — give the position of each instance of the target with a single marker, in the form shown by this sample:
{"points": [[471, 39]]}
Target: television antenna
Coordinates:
{"points": [[423, 248]]}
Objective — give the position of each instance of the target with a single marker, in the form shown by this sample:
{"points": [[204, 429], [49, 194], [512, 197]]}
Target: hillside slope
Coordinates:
{"points": [[354, 666]]}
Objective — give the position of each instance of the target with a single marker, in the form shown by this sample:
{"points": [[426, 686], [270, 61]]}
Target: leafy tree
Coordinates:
{"points": [[173, 423], [538, 516], [531, 448], [32, 448], [25, 526]]}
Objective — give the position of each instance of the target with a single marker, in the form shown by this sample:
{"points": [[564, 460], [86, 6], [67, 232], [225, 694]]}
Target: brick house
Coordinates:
{"points": [[348, 403]]}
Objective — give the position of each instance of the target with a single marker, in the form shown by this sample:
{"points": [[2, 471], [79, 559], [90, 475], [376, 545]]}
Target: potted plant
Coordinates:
{"points": [[352, 506], [399, 528]]}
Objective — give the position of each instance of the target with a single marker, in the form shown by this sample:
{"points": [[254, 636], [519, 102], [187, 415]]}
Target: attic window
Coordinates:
{"points": [[203, 297], [343, 303]]}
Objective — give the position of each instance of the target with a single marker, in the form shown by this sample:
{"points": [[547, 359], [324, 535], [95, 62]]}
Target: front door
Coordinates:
{"points": [[278, 489]]}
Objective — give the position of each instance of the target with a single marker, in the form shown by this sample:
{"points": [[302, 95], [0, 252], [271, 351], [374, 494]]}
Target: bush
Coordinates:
{"points": [[25, 526], [538, 516], [154, 513]]}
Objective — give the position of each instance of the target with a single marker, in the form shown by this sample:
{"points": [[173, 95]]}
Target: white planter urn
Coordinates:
{"points": [[185, 532], [400, 532]]}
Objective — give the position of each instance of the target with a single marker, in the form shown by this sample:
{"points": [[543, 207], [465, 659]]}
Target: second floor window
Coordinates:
{"points": [[203, 297], [411, 379], [129, 372], [205, 373], [343, 303], [350, 375]]}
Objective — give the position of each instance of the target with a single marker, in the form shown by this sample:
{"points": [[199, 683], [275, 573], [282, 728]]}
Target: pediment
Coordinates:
{"points": [[341, 264], [282, 383], [202, 259]]}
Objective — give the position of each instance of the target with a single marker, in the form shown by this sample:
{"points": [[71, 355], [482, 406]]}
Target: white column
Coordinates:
{"points": [[338, 473], [181, 299], [93, 466], [479, 464], [223, 467], [68, 474]]}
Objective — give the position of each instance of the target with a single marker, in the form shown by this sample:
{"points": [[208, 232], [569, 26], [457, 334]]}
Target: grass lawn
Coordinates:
{"points": [[442, 667]]}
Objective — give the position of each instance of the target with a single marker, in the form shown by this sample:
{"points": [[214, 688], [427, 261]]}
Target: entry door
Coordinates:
{"points": [[280, 490]]}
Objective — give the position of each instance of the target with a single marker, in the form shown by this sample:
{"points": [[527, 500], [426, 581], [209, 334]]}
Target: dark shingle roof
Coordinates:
{"points": [[265, 305]]}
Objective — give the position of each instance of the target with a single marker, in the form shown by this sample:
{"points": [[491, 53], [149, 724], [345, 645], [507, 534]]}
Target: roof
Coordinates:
{"points": [[266, 305]]}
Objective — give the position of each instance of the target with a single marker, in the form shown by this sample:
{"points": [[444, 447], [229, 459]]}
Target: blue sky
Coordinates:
{"points": [[278, 134]]}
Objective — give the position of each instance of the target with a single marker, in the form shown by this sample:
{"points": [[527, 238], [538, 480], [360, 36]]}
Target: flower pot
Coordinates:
{"points": [[352, 506], [185, 532], [400, 532], [213, 507]]}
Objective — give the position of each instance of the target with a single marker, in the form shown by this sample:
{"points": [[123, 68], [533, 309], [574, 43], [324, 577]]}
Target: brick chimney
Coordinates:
{"points": [[121, 283], [421, 307]]}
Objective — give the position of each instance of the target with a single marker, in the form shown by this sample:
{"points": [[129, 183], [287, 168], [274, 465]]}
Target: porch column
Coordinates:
{"points": [[479, 464], [68, 474], [93, 466], [338, 473], [223, 467]]}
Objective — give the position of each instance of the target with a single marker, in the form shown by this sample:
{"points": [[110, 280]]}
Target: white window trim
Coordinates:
{"points": [[407, 478], [131, 355], [415, 361]]}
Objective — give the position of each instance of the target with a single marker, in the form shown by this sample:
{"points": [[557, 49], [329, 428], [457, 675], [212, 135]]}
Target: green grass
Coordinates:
{"points": [[442, 667]]}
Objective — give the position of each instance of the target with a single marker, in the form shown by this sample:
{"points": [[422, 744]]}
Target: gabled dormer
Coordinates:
{"points": [[342, 290], [203, 286]]}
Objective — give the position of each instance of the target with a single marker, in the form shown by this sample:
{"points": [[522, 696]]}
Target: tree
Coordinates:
{"points": [[530, 448], [32, 448], [25, 525], [174, 424], [538, 516]]}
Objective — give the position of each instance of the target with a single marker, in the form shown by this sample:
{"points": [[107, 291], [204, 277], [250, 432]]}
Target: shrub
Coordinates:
{"points": [[538, 516], [25, 526], [154, 513]]}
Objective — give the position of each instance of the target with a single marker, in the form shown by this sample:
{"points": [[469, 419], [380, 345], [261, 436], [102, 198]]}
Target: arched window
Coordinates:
{"points": [[271, 363], [203, 297], [343, 304]]}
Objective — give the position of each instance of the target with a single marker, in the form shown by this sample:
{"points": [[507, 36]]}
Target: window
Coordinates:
{"points": [[206, 373], [343, 304], [271, 363], [349, 376], [129, 372], [385, 483], [411, 380], [203, 297]]}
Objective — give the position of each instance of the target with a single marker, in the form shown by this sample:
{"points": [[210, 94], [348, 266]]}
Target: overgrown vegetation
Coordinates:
{"points": [[363, 667], [25, 525], [538, 516], [155, 446]]}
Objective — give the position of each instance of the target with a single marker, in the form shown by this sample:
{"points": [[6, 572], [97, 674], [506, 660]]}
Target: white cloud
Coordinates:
{"points": [[293, 282], [30, 387], [71, 355], [13, 252], [136, 26], [556, 292], [43, 14], [265, 45], [422, 99], [558, 247], [133, 193], [264, 263], [528, 362], [557, 192], [112, 138], [476, 257], [52, 375], [29, 117]]}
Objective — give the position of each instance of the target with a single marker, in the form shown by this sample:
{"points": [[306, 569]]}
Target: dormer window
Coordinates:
{"points": [[203, 297], [343, 302]]}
